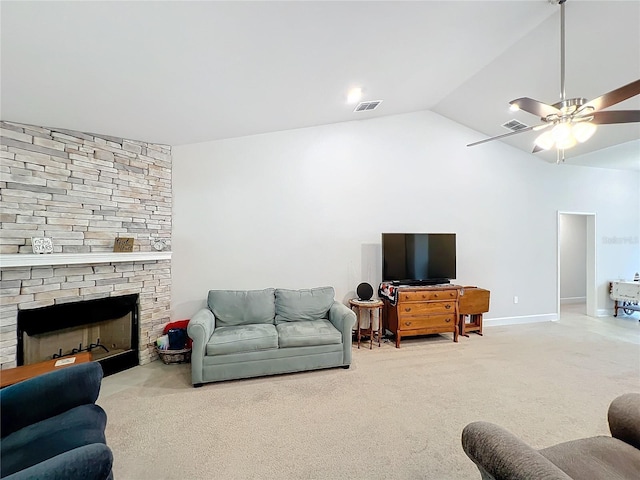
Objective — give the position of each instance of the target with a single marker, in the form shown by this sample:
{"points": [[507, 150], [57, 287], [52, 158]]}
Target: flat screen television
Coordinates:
{"points": [[418, 258]]}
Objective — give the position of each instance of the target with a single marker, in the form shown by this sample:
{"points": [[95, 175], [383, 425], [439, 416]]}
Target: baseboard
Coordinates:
{"points": [[570, 300], [605, 312], [544, 317]]}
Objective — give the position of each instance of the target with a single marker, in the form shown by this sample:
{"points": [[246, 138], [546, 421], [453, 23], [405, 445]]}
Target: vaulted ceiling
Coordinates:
{"points": [[187, 72]]}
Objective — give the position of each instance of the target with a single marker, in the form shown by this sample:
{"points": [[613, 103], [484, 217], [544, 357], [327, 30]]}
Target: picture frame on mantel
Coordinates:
{"points": [[42, 245], [123, 244]]}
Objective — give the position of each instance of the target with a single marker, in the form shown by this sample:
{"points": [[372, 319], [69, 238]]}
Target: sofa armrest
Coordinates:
{"points": [[200, 329], [343, 318], [499, 454], [89, 462], [48, 395], [624, 418]]}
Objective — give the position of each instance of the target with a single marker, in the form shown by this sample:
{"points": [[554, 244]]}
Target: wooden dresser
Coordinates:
{"points": [[422, 311]]}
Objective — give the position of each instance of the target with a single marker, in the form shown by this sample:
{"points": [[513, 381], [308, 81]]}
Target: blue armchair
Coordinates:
{"points": [[51, 428]]}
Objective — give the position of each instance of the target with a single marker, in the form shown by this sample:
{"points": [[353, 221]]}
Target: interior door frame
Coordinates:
{"points": [[591, 293]]}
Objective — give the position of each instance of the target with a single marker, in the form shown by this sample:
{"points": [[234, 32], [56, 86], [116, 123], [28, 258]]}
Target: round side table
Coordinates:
{"points": [[370, 306]]}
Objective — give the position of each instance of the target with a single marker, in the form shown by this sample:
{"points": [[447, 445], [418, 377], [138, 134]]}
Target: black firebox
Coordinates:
{"points": [[107, 327]]}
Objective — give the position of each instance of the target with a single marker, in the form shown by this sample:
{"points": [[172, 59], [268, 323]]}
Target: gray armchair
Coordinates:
{"points": [[500, 455]]}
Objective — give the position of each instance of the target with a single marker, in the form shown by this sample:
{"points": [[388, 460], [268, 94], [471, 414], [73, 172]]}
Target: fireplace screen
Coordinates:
{"points": [[105, 327]]}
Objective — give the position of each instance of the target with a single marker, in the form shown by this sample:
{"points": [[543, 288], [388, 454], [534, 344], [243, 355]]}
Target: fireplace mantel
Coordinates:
{"points": [[37, 260]]}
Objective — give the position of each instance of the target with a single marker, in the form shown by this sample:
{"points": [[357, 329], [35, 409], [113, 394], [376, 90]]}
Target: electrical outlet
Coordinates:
{"points": [[515, 299]]}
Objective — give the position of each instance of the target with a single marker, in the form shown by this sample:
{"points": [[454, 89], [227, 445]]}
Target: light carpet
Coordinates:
{"points": [[395, 414]]}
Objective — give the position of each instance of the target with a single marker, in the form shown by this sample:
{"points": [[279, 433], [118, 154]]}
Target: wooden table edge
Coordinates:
{"points": [[10, 376]]}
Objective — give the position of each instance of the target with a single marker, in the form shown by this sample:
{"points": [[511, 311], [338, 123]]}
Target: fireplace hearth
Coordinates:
{"points": [[106, 327]]}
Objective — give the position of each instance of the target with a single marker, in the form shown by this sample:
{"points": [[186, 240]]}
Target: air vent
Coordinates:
{"points": [[514, 125], [366, 106]]}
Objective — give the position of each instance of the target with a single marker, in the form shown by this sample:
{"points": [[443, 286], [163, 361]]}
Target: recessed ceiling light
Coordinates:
{"points": [[354, 95]]}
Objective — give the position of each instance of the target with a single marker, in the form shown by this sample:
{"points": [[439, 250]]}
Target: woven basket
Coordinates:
{"points": [[175, 356]]}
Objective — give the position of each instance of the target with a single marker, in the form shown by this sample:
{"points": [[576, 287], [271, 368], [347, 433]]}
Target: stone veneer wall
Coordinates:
{"points": [[82, 190]]}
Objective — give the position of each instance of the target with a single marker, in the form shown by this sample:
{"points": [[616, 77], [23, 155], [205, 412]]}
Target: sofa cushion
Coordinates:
{"points": [[303, 305], [305, 334], [242, 338], [242, 307]]}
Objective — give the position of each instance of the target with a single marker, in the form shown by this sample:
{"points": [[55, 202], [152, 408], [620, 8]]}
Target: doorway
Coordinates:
{"points": [[576, 267]]}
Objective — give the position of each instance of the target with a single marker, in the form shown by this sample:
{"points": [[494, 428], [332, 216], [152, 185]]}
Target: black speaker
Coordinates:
{"points": [[364, 291]]}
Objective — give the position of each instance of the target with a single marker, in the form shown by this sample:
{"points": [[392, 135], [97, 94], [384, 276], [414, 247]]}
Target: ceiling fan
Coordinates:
{"points": [[571, 120]]}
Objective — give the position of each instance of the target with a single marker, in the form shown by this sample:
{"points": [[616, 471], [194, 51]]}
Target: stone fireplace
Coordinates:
{"points": [[83, 190], [112, 291]]}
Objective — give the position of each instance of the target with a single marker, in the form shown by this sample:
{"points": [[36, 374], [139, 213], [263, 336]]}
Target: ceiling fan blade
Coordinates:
{"points": [[616, 116], [502, 136], [614, 96], [535, 107], [536, 149]]}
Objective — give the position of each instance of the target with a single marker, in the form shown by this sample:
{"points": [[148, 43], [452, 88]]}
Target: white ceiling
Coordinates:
{"points": [[187, 72]]}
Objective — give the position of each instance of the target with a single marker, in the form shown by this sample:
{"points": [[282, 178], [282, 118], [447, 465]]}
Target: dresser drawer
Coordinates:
{"points": [[426, 322], [426, 308], [423, 296]]}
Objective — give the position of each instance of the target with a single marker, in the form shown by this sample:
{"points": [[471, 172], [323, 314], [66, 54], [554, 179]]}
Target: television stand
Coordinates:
{"points": [[423, 310]]}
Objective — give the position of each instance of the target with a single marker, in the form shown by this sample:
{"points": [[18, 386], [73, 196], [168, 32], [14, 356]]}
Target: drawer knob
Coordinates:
{"points": [[407, 309], [447, 306], [407, 323], [448, 320], [435, 295]]}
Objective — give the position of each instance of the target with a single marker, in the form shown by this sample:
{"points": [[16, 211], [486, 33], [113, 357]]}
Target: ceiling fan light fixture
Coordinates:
{"points": [[545, 140], [566, 143], [514, 107], [561, 132], [583, 131]]}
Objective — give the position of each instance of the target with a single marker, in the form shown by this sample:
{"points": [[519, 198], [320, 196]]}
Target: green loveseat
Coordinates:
{"points": [[251, 333]]}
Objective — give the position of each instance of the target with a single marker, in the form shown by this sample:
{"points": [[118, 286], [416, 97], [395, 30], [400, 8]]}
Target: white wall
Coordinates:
{"points": [[304, 208], [573, 257]]}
